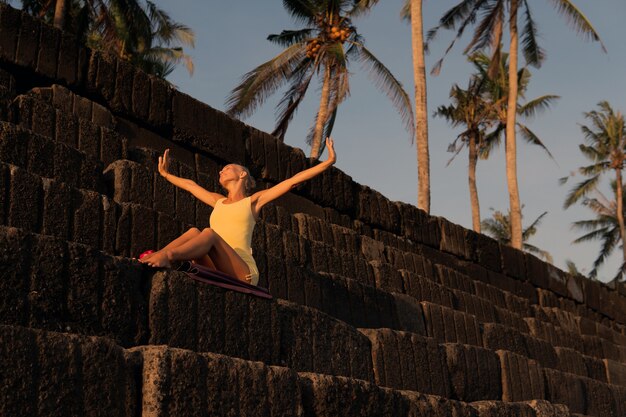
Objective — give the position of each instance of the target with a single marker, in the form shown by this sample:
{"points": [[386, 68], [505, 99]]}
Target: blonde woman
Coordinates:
{"points": [[226, 245]]}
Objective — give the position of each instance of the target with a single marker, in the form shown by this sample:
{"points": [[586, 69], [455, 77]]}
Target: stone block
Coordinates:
{"points": [[598, 398], [474, 372], [453, 239], [84, 294], [88, 137], [160, 113], [122, 97], [521, 377], [112, 146], [487, 252], [25, 195], [87, 207], [101, 75], [66, 129], [513, 262], [387, 277], [124, 306], [40, 159], [615, 372], [18, 353], [56, 209], [14, 285], [13, 145], [10, 22], [28, 42], [571, 361], [500, 408], [108, 378], [564, 388], [143, 230], [48, 52], [47, 296], [409, 314], [67, 70], [140, 97], [5, 178]]}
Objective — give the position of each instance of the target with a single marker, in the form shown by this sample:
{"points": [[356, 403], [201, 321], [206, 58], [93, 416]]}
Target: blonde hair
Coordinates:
{"points": [[249, 182]]}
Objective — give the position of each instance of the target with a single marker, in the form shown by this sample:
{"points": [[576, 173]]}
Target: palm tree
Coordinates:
{"points": [[606, 148], [499, 227], [324, 47], [482, 106], [604, 227], [135, 30], [412, 11], [496, 92], [488, 34], [470, 110]]}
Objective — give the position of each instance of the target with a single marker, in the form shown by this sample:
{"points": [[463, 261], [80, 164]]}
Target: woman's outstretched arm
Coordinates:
{"points": [[263, 197], [186, 184]]}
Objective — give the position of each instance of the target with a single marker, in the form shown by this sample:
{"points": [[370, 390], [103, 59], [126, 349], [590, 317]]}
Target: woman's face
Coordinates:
{"points": [[230, 172]]}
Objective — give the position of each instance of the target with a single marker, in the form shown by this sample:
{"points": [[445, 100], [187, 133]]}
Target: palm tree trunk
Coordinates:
{"points": [[59, 14], [620, 209], [511, 148], [322, 115], [421, 114], [473, 159]]}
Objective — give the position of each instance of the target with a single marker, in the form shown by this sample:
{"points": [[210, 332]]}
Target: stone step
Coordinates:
{"points": [[584, 395], [89, 128], [54, 208], [71, 287], [128, 229], [408, 361], [50, 159], [60, 374]]}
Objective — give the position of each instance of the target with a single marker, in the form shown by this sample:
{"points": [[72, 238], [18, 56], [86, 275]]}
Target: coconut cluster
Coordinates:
{"points": [[336, 33]]}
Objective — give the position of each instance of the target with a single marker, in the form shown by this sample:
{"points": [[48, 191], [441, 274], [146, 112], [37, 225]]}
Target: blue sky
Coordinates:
{"points": [[371, 144]]}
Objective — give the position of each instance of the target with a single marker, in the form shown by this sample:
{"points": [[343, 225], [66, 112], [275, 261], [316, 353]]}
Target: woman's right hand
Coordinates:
{"points": [[330, 145], [164, 164]]}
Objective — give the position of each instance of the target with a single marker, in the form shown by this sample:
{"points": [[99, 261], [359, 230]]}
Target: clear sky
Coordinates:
{"points": [[371, 144]]}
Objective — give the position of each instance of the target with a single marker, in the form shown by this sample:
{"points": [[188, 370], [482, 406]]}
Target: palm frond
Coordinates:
{"points": [[289, 37], [288, 106], [262, 81], [533, 53], [301, 10], [539, 104], [580, 190], [577, 20], [489, 30], [530, 137], [388, 84]]}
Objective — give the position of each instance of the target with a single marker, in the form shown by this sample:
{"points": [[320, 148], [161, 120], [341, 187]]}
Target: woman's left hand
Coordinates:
{"points": [[330, 145]]}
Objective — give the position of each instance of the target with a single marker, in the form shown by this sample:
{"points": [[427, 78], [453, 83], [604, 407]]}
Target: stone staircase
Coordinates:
{"points": [[379, 309]]}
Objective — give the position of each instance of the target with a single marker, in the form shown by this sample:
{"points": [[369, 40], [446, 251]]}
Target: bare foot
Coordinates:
{"points": [[147, 257], [158, 260]]}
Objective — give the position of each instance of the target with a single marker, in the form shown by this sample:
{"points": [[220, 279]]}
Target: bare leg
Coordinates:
{"points": [[189, 234], [223, 257]]}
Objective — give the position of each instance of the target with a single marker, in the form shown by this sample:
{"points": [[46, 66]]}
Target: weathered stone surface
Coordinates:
{"points": [[474, 373], [41, 369], [521, 377], [25, 195], [28, 42], [564, 388], [10, 22]]}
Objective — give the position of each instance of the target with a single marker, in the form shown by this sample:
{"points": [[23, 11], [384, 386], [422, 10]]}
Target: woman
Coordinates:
{"points": [[226, 245]]}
